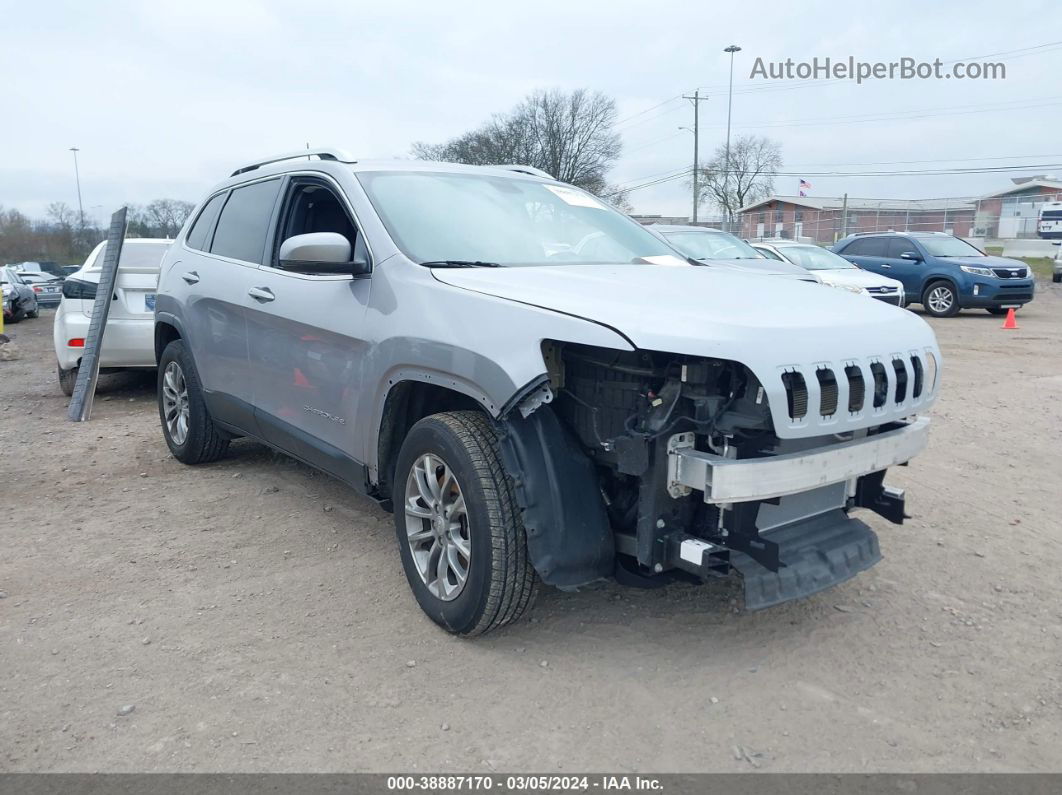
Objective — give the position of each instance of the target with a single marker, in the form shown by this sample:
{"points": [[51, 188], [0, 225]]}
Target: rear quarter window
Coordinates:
{"points": [[204, 224], [244, 222], [866, 247]]}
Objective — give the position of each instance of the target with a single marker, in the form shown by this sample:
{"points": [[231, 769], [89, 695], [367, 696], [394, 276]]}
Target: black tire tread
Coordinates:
{"points": [[212, 444], [514, 583], [67, 379]]}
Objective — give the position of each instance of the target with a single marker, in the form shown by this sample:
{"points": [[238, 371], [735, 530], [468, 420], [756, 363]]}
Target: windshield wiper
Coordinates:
{"points": [[459, 263]]}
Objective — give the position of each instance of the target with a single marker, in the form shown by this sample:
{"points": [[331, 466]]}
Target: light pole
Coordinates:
{"points": [[733, 48], [77, 177]]}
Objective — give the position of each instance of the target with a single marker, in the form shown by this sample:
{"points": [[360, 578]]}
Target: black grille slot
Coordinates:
{"points": [[916, 367], [827, 391], [901, 380], [796, 394], [881, 384], [857, 389]]}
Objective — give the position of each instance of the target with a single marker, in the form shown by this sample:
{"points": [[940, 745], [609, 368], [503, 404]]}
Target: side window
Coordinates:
{"points": [[312, 206], [866, 247], [204, 224], [900, 245], [769, 254], [244, 222]]}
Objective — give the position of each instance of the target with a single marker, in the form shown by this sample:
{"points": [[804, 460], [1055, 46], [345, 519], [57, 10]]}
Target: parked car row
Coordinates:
{"points": [[537, 386], [943, 273]]}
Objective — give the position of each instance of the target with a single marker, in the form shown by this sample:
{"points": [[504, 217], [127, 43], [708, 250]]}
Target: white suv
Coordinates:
{"points": [[537, 386], [127, 342]]}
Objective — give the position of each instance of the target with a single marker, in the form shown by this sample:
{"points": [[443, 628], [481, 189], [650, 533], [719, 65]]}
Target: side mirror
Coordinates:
{"points": [[911, 255], [320, 253]]}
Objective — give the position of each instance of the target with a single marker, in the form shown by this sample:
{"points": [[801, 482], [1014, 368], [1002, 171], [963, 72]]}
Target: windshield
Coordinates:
{"points": [[814, 258], [712, 245], [949, 247], [475, 219]]}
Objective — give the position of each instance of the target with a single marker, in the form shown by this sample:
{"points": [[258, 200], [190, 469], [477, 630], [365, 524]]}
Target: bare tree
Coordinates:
{"points": [[167, 216], [754, 161], [568, 135]]}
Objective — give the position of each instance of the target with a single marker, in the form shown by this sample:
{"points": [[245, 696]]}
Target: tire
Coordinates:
{"points": [[36, 313], [195, 440], [500, 583], [1056, 278], [940, 300], [67, 379], [995, 310]]}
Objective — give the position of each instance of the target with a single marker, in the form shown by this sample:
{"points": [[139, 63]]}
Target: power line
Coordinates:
{"points": [[671, 177]]}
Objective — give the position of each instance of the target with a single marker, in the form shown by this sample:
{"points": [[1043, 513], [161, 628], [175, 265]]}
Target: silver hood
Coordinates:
{"points": [[769, 325]]}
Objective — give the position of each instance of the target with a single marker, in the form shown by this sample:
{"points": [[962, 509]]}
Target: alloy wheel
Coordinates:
{"points": [[437, 527], [175, 403], [941, 299]]}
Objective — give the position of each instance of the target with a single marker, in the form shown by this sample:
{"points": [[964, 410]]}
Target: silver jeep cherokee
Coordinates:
{"points": [[538, 387]]}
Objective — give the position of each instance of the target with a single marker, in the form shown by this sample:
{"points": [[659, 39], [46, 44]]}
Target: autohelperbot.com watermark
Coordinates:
{"points": [[851, 68]]}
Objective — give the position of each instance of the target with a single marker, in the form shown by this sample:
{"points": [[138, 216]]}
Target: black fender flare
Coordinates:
{"points": [[569, 540]]}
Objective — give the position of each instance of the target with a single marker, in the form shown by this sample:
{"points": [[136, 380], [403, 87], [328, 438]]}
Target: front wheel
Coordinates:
{"points": [[995, 310], [1056, 278], [460, 531], [186, 424], [940, 300]]}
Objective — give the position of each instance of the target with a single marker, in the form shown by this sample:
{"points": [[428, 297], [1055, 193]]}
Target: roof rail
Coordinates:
{"points": [[322, 153], [531, 170]]}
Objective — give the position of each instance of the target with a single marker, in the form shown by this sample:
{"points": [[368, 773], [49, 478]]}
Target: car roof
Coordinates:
{"points": [[291, 164]]}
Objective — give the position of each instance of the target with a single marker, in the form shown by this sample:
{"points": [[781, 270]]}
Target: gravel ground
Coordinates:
{"points": [[252, 615]]}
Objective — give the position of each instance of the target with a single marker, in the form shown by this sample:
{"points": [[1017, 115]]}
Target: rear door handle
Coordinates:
{"points": [[262, 294], [887, 266], [191, 277]]}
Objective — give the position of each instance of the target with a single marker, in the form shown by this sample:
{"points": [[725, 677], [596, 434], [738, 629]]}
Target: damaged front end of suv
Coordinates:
{"points": [[650, 466]]}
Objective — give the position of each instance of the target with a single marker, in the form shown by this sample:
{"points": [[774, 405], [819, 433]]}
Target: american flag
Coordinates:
{"points": [[804, 185]]}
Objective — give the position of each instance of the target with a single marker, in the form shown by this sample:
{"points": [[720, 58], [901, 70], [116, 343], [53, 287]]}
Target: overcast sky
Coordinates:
{"points": [[166, 98]]}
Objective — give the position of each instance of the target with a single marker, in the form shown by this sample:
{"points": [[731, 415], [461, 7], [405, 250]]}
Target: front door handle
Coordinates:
{"points": [[191, 277], [262, 294], [887, 266]]}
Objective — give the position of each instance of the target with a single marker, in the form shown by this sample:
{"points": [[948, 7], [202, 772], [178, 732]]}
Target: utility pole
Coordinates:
{"points": [[696, 99], [844, 217], [77, 177], [733, 48]]}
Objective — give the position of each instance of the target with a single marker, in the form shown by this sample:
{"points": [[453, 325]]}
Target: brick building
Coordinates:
{"points": [[821, 218]]}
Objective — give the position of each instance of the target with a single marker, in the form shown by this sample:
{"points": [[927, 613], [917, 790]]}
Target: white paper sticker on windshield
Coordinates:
{"points": [[576, 198], [667, 259]]}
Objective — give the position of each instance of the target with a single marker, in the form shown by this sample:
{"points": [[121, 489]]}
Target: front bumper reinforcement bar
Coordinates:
{"points": [[728, 480]]}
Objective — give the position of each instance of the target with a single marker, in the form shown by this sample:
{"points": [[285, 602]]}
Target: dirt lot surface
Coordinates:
{"points": [[255, 614]]}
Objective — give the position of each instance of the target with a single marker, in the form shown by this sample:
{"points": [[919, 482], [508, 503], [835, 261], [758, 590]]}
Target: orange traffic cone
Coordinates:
{"points": [[1010, 322]]}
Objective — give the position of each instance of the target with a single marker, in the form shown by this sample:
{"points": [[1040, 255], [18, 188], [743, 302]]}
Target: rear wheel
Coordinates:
{"points": [[940, 300], [995, 310], [460, 531], [186, 424], [35, 313], [67, 379], [1056, 278]]}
